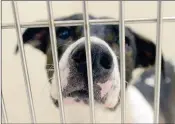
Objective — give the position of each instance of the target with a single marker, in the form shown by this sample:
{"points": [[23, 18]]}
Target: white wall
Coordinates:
{"points": [[12, 77]]}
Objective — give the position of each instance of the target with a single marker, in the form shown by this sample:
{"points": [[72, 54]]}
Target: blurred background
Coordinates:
{"points": [[13, 85]]}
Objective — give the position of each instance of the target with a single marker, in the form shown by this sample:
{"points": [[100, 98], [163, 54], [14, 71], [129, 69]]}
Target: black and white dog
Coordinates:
{"points": [[140, 52]]}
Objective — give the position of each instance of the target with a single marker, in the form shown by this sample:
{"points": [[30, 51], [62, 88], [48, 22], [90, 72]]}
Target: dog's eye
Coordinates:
{"points": [[63, 33]]}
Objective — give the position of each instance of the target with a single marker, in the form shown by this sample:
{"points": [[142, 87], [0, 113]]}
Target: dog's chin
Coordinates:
{"points": [[109, 101]]}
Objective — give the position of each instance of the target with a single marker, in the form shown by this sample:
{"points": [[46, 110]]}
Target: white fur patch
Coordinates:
{"points": [[141, 109], [150, 81]]}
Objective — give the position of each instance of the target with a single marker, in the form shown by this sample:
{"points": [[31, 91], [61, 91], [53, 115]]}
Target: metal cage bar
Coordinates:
{"points": [[122, 58], [92, 22], [23, 61], [89, 60], [55, 59], [158, 62], [1, 86], [4, 112]]}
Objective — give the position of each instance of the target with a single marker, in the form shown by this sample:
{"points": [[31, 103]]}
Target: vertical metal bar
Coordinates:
{"points": [[55, 58], [158, 62], [89, 60], [4, 112], [1, 65], [23, 61], [122, 59]]}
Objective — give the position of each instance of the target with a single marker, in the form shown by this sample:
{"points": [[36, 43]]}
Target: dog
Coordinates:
{"points": [[140, 52]]}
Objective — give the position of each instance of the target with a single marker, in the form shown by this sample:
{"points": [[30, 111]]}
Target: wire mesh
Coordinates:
{"points": [[86, 22]]}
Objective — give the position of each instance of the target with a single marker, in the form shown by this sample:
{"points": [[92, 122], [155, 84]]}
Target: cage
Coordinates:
{"points": [[153, 16]]}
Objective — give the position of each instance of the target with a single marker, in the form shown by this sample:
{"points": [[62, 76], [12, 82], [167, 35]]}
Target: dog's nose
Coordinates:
{"points": [[102, 61]]}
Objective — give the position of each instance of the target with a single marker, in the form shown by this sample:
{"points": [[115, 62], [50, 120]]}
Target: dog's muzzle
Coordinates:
{"points": [[104, 67]]}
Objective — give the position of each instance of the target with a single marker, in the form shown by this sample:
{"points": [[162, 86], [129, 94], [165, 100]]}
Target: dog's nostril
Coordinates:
{"points": [[106, 61], [79, 56], [102, 61]]}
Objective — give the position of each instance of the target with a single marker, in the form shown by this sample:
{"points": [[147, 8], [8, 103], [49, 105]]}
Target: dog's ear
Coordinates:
{"points": [[37, 37], [146, 52]]}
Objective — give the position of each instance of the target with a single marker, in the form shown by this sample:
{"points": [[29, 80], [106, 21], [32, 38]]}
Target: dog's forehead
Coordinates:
{"points": [[102, 30], [108, 33]]}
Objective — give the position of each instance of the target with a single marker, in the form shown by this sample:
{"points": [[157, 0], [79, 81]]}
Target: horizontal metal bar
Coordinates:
{"points": [[89, 61], [158, 62], [4, 112], [55, 60], [24, 62], [122, 59], [92, 22]]}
